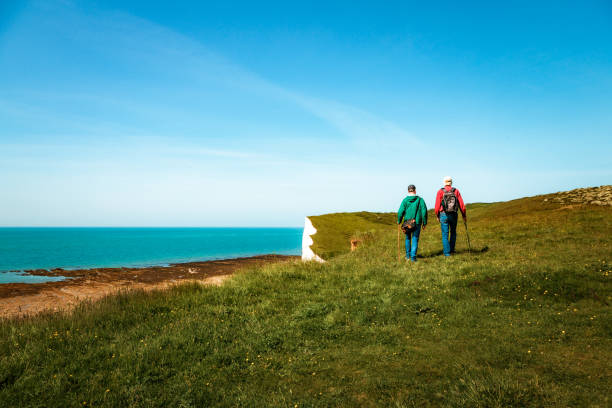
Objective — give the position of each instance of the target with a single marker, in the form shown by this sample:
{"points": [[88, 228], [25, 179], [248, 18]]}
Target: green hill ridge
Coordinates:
{"points": [[335, 231], [522, 321]]}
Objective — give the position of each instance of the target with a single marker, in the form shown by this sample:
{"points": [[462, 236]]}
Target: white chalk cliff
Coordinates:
{"points": [[307, 253]]}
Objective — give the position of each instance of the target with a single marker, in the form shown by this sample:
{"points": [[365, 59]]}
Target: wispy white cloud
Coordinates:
{"points": [[141, 42], [355, 122]]}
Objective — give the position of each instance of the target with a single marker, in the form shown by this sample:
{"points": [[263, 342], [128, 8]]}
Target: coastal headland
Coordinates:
{"points": [[518, 318], [21, 299]]}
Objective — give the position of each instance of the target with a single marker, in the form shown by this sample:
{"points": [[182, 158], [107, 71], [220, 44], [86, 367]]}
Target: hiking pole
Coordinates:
{"points": [[468, 236], [398, 244]]}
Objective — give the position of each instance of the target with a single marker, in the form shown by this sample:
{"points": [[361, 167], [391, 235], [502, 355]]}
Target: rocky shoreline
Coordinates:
{"points": [[22, 299]]}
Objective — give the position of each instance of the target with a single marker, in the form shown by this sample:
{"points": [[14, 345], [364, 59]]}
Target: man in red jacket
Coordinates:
{"points": [[448, 204]]}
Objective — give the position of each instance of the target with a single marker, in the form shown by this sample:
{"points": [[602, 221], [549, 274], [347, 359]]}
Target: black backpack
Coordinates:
{"points": [[449, 201]]}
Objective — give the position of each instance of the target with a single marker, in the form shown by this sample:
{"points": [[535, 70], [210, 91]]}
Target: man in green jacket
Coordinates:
{"points": [[412, 207]]}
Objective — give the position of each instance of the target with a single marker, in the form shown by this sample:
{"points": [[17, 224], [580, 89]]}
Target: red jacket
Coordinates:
{"points": [[439, 207]]}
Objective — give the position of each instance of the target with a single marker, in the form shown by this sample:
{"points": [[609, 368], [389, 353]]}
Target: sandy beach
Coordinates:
{"points": [[22, 299]]}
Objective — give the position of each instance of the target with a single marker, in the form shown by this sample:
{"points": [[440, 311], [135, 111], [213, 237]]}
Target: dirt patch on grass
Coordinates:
{"points": [[20, 299]]}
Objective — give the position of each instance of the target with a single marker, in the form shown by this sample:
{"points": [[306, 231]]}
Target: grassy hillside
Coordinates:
{"points": [[525, 321], [334, 231]]}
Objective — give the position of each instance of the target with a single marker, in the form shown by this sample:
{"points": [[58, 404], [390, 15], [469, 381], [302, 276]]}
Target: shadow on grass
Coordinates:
{"points": [[463, 251]]}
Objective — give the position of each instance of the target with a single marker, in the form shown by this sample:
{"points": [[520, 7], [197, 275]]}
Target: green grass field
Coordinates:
{"points": [[522, 321]]}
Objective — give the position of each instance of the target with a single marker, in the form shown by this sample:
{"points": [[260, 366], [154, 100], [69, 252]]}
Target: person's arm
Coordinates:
{"points": [[401, 211], [438, 203], [461, 204], [424, 212]]}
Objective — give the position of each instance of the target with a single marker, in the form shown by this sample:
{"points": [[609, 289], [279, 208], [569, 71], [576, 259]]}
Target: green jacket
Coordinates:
{"points": [[408, 210]]}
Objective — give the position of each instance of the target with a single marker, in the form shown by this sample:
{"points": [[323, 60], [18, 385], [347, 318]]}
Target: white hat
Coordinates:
{"points": [[448, 180]]}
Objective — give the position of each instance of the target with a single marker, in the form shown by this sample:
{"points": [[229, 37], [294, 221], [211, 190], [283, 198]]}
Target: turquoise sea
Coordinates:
{"points": [[77, 248]]}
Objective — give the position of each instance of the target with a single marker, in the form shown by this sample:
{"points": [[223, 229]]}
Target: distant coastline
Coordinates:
{"points": [[78, 248], [21, 299]]}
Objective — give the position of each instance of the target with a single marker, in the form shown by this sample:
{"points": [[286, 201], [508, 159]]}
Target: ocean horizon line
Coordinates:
{"points": [[147, 226]]}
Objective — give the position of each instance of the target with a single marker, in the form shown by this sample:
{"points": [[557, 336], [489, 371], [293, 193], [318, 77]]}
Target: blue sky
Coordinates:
{"points": [[260, 113]]}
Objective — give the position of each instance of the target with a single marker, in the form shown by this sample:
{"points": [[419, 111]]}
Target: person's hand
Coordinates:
{"points": [[424, 227]]}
